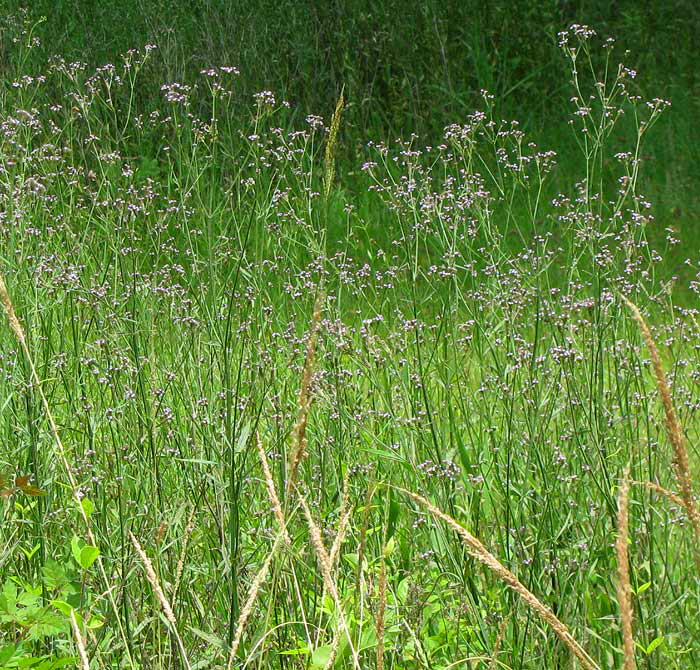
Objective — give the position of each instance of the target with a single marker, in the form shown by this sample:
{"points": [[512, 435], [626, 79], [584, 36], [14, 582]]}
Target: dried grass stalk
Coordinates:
{"points": [[624, 591], [250, 600], [656, 488], [324, 562], [479, 552], [18, 330], [675, 433], [499, 641], [84, 662], [272, 490], [155, 584], [305, 398]]}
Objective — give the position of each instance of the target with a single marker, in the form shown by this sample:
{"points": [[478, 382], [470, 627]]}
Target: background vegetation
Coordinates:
{"points": [[269, 353]]}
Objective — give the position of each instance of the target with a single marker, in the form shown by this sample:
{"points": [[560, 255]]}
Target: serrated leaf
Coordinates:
{"points": [[55, 577]]}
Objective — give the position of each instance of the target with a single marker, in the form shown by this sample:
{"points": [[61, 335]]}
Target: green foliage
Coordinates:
{"points": [[165, 236], [31, 614]]}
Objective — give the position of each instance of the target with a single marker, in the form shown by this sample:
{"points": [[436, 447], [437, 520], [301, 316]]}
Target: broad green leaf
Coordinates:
{"points": [[88, 507], [88, 555], [320, 656], [75, 547]]}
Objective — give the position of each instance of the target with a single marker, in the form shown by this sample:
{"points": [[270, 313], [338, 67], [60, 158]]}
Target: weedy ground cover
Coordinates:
{"points": [[253, 419]]}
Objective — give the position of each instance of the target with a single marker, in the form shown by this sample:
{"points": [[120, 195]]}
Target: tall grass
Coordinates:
{"points": [[277, 425]]}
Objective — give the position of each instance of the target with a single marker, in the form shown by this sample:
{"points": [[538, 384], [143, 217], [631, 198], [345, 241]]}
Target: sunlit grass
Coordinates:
{"points": [[271, 417]]}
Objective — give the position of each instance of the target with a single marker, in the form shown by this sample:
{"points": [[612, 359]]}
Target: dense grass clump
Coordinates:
{"points": [[258, 414]]}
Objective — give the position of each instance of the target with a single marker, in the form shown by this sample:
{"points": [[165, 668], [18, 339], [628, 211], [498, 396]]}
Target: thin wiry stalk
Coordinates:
{"points": [[340, 535], [624, 591], [183, 553], [345, 514], [381, 611], [479, 552], [155, 584], [674, 430], [18, 330]]}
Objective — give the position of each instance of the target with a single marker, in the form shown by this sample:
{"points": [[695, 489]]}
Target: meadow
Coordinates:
{"points": [[265, 405]]}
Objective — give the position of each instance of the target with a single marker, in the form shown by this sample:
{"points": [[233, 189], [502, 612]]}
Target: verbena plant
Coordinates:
{"points": [[269, 423]]}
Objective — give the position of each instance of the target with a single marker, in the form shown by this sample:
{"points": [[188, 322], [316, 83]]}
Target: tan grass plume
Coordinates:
{"points": [[18, 330], [624, 590], [674, 430], [272, 490], [305, 398], [479, 552], [324, 562], [258, 581], [165, 604]]}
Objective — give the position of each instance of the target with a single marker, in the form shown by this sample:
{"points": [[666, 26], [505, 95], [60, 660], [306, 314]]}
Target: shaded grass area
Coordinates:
{"points": [[385, 367]]}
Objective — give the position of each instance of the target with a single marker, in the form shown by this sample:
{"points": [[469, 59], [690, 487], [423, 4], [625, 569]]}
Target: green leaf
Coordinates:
{"points": [[95, 622], [30, 552], [402, 590], [88, 555], [643, 588], [390, 547], [62, 607], [75, 547], [88, 507], [299, 651], [243, 437], [55, 577], [352, 559], [209, 638], [654, 644], [320, 656]]}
